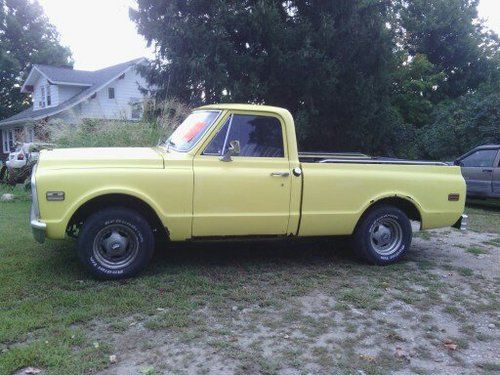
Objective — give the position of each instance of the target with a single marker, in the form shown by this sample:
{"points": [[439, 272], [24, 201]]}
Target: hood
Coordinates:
{"points": [[123, 157]]}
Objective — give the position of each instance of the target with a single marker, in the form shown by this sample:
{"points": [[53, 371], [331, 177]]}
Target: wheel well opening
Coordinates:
{"points": [[403, 204], [114, 200]]}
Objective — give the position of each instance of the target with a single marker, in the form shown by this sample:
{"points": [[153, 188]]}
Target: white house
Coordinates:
{"points": [[72, 95]]}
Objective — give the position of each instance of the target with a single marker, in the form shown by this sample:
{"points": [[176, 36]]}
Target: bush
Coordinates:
{"points": [[462, 124], [159, 120]]}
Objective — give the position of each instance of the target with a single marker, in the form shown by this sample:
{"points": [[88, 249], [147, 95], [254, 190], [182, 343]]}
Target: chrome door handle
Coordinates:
{"points": [[280, 174]]}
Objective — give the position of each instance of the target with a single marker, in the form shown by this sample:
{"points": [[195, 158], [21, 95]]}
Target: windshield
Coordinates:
{"points": [[191, 130]]}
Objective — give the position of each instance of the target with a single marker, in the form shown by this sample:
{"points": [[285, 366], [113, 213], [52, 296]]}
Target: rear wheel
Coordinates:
{"points": [[115, 243], [383, 236]]}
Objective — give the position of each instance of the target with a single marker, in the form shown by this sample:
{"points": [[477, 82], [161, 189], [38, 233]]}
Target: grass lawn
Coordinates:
{"points": [[49, 307], [484, 215]]}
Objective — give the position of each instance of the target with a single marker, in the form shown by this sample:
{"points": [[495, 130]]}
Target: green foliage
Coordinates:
{"points": [[453, 38], [367, 75], [104, 133], [415, 84], [160, 119], [327, 62], [26, 38], [459, 125]]}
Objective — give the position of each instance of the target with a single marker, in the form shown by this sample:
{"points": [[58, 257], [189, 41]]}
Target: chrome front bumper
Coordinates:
{"points": [[37, 226], [38, 229], [462, 223]]}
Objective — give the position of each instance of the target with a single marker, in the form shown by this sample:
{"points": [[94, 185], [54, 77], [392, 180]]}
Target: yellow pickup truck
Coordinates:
{"points": [[234, 171]]}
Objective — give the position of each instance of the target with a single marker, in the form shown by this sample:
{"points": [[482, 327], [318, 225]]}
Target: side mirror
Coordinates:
{"points": [[232, 150]]}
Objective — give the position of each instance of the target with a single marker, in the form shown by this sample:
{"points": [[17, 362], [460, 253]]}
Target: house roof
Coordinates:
{"points": [[66, 75], [92, 81]]}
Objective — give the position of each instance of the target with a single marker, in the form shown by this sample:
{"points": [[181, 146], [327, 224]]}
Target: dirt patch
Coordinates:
{"points": [[436, 312]]}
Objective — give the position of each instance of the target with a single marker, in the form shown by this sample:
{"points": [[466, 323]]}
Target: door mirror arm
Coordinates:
{"points": [[232, 150]]}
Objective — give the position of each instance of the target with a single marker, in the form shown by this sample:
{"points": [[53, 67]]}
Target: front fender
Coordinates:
{"points": [[167, 193]]}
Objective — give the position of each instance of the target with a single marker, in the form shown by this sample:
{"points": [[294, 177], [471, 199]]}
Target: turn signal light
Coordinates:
{"points": [[453, 197]]}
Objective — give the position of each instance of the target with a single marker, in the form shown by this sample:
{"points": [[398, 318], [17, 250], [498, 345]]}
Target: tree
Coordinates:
{"points": [[415, 84], [26, 38], [328, 62], [368, 75], [462, 124], [453, 38]]}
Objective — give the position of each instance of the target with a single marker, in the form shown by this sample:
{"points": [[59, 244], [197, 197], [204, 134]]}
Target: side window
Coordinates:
{"points": [[259, 137], [481, 158], [217, 143]]}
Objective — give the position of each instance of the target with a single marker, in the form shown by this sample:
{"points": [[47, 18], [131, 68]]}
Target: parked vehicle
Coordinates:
{"points": [[22, 156], [481, 170], [19, 163], [234, 171]]}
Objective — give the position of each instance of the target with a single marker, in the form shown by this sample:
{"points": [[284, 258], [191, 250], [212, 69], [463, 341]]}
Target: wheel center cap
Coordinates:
{"points": [[115, 244]]}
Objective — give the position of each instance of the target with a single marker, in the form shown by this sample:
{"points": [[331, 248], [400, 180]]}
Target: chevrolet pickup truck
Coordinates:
{"points": [[234, 171]]}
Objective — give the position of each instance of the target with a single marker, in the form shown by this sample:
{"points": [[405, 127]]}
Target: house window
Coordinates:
{"points": [[5, 141], [135, 109], [42, 102], [49, 97], [10, 138], [111, 92], [30, 135]]}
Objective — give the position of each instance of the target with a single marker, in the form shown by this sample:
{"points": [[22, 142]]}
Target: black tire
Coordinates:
{"points": [[115, 243], [383, 236]]}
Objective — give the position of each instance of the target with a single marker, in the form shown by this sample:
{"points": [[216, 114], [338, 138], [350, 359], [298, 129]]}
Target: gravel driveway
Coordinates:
{"points": [[436, 312]]}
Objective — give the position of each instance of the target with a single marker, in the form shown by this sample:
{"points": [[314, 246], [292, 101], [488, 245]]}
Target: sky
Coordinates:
{"points": [[100, 32]]}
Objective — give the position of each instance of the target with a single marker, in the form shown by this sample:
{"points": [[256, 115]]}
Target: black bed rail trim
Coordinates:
{"points": [[325, 155]]}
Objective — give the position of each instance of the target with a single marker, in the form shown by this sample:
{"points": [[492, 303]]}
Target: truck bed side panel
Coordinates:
{"points": [[336, 195]]}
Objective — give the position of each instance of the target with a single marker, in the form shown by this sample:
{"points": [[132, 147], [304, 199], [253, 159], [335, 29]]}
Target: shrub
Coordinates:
{"points": [[159, 120], [462, 124]]}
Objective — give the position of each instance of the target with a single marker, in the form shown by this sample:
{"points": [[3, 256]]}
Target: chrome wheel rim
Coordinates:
{"points": [[115, 246], [386, 236]]}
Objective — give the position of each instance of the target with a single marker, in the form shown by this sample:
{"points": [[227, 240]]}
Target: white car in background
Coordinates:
{"points": [[22, 156]]}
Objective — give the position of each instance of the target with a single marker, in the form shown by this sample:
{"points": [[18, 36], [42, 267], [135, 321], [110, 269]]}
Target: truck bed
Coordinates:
{"points": [[357, 158]]}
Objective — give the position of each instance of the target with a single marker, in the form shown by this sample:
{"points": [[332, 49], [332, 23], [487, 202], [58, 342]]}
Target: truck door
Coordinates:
{"points": [[249, 193], [477, 169]]}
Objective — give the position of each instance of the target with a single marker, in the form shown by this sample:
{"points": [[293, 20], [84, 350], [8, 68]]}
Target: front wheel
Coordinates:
{"points": [[383, 235], [115, 243]]}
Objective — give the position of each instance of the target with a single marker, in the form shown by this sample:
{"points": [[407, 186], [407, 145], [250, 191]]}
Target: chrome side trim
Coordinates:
{"points": [[374, 161]]}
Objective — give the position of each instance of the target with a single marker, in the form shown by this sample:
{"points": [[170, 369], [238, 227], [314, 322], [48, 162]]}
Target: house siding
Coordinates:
{"points": [[118, 108], [37, 93], [67, 92]]}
